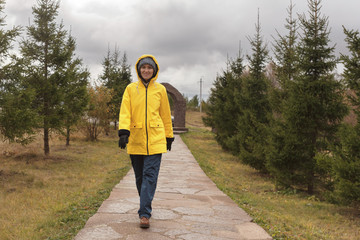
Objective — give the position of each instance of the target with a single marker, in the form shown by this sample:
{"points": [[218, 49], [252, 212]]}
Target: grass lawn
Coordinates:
{"points": [[284, 215], [52, 197]]}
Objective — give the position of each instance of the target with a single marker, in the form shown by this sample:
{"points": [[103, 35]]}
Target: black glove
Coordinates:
{"points": [[123, 137], [169, 142]]}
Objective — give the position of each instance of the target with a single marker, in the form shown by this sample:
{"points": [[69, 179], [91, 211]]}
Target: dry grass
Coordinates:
{"points": [[193, 120], [285, 215], [51, 197]]}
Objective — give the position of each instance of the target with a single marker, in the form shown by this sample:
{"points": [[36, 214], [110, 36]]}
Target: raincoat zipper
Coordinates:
{"points": [[147, 135]]}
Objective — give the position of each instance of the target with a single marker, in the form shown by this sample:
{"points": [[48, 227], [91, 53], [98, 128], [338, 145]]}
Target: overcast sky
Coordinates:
{"points": [[191, 39]]}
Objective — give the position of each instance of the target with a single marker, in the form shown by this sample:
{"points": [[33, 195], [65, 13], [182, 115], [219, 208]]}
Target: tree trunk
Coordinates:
{"points": [[67, 136], [46, 102], [310, 172], [310, 187], [107, 128], [46, 141]]}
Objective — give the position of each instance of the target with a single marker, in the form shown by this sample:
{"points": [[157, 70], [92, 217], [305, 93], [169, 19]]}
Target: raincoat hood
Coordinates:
{"points": [[156, 72]]}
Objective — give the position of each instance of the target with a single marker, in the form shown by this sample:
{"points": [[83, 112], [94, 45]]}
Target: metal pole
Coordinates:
{"points": [[200, 92]]}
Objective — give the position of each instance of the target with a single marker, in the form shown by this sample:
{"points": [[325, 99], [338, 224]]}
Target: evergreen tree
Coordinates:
{"points": [[315, 103], [75, 90], [236, 65], [253, 122], [222, 110], [347, 152], [6, 36], [193, 103], [352, 68], [16, 120], [346, 165], [232, 105], [286, 62], [286, 59], [216, 100], [116, 76], [45, 53], [124, 80], [106, 76]]}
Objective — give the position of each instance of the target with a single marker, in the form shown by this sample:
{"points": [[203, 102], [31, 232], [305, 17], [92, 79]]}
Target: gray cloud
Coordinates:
{"points": [[191, 39]]}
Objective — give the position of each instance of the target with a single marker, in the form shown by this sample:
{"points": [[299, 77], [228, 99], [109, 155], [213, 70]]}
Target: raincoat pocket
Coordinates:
{"points": [[136, 133], [157, 132]]}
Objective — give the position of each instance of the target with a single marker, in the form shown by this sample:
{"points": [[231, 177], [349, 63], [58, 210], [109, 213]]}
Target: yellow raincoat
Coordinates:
{"points": [[145, 112]]}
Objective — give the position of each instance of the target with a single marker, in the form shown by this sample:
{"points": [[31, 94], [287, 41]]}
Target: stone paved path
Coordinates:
{"points": [[187, 205]]}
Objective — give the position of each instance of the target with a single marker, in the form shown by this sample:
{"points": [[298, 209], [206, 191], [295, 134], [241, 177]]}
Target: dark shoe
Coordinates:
{"points": [[144, 222]]}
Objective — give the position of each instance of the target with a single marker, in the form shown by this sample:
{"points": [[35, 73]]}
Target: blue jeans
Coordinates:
{"points": [[146, 168]]}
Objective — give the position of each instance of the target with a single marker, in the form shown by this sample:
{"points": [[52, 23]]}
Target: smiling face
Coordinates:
{"points": [[146, 71]]}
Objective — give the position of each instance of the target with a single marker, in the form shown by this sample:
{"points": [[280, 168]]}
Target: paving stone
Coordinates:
{"points": [[102, 232], [175, 232], [187, 205], [117, 207], [223, 199], [208, 228], [170, 225], [212, 220], [117, 194], [231, 212], [252, 231], [167, 190], [133, 228], [168, 196], [147, 236], [194, 211], [176, 203], [228, 235], [189, 191], [198, 236], [135, 200], [164, 214], [126, 228], [108, 218], [199, 198]]}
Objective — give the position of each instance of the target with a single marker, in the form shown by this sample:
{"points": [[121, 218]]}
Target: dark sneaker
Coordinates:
{"points": [[144, 222]]}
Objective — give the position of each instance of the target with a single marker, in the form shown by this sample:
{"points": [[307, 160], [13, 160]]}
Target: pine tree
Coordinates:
{"points": [[6, 36], [45, 53], [236, 65], [232, 106], [352, 68], [286, 62], [257, 61], [116, 76], [253, 122], [315, 103], [14, 97], [286, 57], [75, 90], [222, 110], [347, 152], [216, 99], [122, 82], [15, 102], [106, 76], [193, 103]]}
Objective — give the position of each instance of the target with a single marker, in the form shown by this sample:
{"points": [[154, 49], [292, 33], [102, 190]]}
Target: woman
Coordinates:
{"points": [[145, 127]]}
